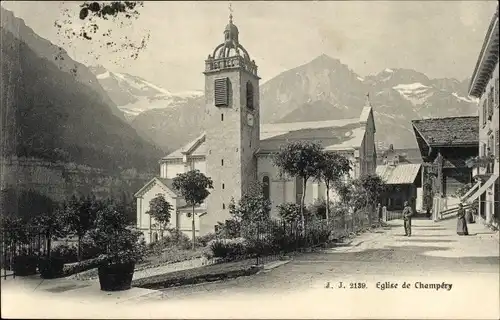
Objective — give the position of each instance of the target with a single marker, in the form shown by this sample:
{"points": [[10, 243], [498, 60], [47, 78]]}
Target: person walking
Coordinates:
{"points": [[462, 229], [407, 214]]}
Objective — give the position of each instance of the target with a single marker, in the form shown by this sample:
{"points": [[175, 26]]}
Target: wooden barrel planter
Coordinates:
{"points": [[25, 265], [51, 268], [116, 277]]}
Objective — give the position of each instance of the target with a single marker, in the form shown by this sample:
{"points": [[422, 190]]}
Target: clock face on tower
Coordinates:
{"points": [[250, 119]]}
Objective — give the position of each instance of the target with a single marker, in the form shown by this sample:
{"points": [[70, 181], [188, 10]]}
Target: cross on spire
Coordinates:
{"points": [[230, 13]]}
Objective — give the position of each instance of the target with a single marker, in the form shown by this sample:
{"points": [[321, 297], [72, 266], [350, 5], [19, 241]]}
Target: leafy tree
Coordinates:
{"points": [[300, 159], [160, 209], [362, 192], [51, 224], [118, 241], [253, 205], [129, 207], [194, 187], [332, 168], [79, 216], [290, 212]]}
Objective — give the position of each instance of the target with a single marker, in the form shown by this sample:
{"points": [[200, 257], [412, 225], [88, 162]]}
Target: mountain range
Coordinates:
{"points": [[57, 109], [323, 89], [54, 108]]}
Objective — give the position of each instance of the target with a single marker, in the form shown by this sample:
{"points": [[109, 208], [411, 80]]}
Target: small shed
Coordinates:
{"points": [[402, 180]]}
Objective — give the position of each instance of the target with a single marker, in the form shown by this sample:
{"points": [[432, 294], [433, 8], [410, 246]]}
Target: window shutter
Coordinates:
{"points": [[490, 104], [484, 111], [221, 93], [497, 84]]}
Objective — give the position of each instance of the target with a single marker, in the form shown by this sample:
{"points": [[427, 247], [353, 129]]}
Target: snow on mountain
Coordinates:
{"points": [[134, 95], [416, 93], [463, 98], [323, 89]]}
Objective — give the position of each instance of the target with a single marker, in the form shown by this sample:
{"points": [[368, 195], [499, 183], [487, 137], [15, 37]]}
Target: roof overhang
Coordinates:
{"points": [[148, 186], [487, 60]]}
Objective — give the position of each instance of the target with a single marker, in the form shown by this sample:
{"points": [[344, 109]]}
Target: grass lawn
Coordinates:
{"points": [[198, 275]]}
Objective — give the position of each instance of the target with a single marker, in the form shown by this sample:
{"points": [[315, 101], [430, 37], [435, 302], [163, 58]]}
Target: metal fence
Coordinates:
{"points": [[394, 215], [272, 239], [16, 242]]}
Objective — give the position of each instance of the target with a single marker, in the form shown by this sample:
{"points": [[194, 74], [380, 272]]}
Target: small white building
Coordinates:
{"points": [[236, 150]]}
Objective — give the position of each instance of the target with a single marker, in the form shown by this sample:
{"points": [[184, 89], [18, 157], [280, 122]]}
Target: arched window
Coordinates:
{"points": [[250, 95], [155, 237], [266, 188]]}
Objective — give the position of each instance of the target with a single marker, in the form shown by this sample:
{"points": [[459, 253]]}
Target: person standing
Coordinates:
{"points": [[462, 229], [407, 214], [379, 212], [469, 216]]}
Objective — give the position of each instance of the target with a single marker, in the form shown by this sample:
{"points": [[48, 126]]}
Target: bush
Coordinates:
{"points": [[204, 240], [261, 247], [230, 229], [173, 238], [227, 249], [89, 249], [67, 253]]}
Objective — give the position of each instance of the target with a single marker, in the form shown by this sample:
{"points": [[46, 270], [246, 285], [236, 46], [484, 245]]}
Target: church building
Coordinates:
{"points": [[236, 150]]}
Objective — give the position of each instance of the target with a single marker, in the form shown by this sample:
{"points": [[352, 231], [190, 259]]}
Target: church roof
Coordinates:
{"points": [[343, 134], [165, 182], [194, 148]]}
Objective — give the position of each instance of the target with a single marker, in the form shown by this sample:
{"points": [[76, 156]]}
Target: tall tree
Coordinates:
{"points": [[332, 168], [51, 225], [363, 192], [79, 216], [194, 187], [300, 159], [160, 209]]}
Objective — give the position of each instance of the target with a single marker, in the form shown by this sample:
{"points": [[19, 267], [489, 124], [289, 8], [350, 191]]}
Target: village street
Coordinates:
{"points": [[433, 255]]}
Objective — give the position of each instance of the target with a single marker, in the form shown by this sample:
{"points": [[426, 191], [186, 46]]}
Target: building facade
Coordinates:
{"points": [[235, 150], [446, 144], [485, 87]]}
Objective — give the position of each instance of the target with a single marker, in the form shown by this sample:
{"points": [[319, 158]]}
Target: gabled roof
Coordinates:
{"points": [[451, 131], [344, 134], [195, 147], [165, 183], [333, 135], [487, 59], [399, 174]]}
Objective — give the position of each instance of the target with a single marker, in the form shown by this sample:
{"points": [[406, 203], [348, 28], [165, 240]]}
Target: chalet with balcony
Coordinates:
{"points": [[445, 146]]}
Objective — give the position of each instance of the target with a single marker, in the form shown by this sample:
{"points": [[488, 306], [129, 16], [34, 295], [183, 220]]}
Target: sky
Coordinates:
{"points": [[439, 38]]}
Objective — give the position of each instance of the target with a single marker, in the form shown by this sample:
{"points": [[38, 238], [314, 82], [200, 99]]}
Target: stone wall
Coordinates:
{"points": [[60, 180]]}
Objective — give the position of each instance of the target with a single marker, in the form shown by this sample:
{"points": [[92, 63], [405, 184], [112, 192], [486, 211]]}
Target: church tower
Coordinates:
{"points": [[231, 124]]}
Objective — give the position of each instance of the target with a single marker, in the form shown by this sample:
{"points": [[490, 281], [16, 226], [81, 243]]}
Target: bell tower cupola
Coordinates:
{"points": [[231, 123]]}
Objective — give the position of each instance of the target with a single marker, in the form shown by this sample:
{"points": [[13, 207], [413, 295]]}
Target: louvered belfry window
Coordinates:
{"points": [[221, 92], [249, 95]]}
